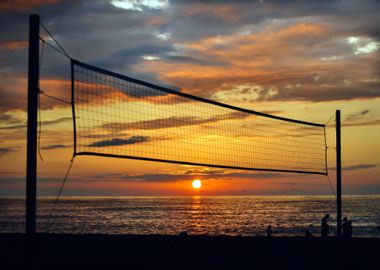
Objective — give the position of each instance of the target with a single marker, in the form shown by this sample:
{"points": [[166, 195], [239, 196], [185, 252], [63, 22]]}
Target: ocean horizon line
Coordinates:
{"points": [[188, 196]]}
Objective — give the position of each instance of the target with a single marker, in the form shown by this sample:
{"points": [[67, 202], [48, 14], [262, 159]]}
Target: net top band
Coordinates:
{"points": [[174, 92]]}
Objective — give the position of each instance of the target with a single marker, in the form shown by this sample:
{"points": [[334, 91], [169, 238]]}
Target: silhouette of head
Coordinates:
{"points": [[327, 216], [269, 227], [345, 219]]}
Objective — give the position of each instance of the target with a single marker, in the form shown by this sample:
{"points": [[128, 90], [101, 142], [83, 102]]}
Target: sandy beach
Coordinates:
{"points": [[64, 251]]}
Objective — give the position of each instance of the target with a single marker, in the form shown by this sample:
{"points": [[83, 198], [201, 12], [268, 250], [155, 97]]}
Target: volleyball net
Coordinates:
{"points": [[118, 116]]}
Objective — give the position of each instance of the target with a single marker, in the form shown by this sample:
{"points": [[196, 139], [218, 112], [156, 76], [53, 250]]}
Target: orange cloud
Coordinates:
{"points": [[301, 30], [157, 21], [289, 62], [225, 12], [13, 93], [23, 5], [13, 44]]}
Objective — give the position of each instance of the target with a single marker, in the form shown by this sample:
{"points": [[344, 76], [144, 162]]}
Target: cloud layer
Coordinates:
{"points": [[314, 51], [186, 176], [298, 58], [118, 141], [174, 121]]}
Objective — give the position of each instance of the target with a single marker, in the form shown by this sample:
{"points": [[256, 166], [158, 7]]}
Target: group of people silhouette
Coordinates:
{"points": [[346, 227], [325, 228]]}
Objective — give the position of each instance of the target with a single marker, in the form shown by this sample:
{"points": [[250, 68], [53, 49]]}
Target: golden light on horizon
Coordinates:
{"points": [[196, 183]]}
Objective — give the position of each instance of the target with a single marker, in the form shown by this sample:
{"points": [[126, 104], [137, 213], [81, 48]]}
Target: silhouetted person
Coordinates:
{"points": [[308, 233], [345, 227], [183, 233], [325, 229], [269, 231], [349, 232]]}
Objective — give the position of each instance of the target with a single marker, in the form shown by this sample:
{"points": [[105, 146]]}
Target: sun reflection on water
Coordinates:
{"points": [[196, 215], [231, 215]]}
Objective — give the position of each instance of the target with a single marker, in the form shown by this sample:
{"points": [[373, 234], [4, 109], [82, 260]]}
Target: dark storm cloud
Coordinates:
{"points": [[357, 116], [375, 122], [174, 121], [54, 146], [13, 44], [57, 121], [206, 18], [154, 178], [5, 150], [14, 27], [118, 141], [252, 175], [73, 24], [183, 176], [294, 8], [129, 57], [9, 119], [99, 33], [10, 96], [316, 85], [357, 167], [185, 59], [26, 5], [361, 118], [319, 93], [45, 123], [14, 127]]}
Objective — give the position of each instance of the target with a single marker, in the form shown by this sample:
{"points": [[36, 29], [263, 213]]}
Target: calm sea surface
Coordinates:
{"points": [[233, 215]]}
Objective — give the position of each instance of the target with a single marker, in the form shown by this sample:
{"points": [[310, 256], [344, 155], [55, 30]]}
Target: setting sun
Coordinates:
{"points": [[197, 184]]}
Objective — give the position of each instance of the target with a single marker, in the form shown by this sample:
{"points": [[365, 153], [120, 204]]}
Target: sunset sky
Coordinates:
{"points": [[296, 59]]}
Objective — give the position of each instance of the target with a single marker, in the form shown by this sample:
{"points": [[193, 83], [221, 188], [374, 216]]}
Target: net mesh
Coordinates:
{"points": [[122, 117]]}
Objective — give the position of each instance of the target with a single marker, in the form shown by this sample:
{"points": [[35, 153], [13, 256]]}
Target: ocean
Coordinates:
{"points": [[211, 215]]}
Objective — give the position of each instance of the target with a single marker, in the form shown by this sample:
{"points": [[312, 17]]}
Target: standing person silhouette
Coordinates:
{"points": [[325, 229], [345, 228], [269, 231], [349, 230]]}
